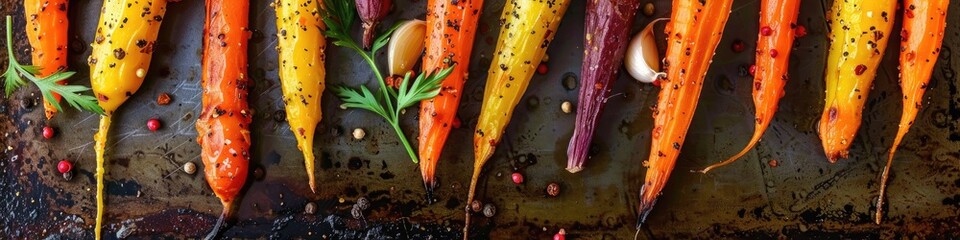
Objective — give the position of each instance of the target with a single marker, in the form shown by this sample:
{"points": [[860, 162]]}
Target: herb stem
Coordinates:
{"points": [[376, 72], [403, 139], [10, 39]]}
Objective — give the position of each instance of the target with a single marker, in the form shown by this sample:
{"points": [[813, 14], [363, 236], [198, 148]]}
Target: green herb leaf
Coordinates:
{"points": [[72, 94], [424, 87], [363, 99], [383, 39]]}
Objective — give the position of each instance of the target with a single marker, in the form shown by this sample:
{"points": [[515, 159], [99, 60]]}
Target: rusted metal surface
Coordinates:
{"points": [[803, 196]]}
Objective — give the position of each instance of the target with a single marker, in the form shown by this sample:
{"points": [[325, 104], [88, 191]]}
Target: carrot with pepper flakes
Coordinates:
{"points": [[923, 24], [47, 31], [692, 37], [301, 56], [447, 45], [774, 42], [119, 60], [223, 128], [528, 28], [859, 30]]}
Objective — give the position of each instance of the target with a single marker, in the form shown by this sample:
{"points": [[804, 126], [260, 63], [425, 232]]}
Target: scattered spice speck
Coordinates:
{"points": [[517, 178], [489, 210], [163, 99], [561, 235], [649, 9], [553, 189], [48, 132], [476, 206], [190, 168], [153, 124], [310, 209], [358, 133]]}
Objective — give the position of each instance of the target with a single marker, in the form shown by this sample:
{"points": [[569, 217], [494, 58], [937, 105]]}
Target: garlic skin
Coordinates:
{"points": [[642, 59], [406, 46]]}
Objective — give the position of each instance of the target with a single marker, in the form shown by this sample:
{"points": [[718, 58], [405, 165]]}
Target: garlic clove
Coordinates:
{"points": [[642, 59], [406, 46]]}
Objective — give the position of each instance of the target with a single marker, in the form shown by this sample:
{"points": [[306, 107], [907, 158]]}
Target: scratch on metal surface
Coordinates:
{"points": [[272, 43], [78, 123], [743, 6]]}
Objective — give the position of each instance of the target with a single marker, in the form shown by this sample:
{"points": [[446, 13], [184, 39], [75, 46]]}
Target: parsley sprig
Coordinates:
{"points": [[389, 103], [72, 94]]}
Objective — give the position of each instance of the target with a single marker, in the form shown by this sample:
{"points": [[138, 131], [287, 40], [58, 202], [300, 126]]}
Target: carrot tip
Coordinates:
{"points": [[645, 207], [222, 223], [834, 156]]}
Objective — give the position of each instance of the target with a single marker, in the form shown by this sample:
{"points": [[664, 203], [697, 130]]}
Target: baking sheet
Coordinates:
{"points": [[803, 196]]}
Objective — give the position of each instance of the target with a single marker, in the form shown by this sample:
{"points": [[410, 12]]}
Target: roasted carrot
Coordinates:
{"points": [[301, 57], [692, 36], [859, 30], [528, 28], [223, 128], [608, 24], [122, 47], [923, 24], [47, 32], [447, 45], [778, 18]]}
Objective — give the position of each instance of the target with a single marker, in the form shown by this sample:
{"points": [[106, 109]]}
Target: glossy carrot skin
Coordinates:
{"points": [[119, 60], [607, 28], [47, 32], [446, 45], [528, 28], [924, 22], [692, 37], [300, 49], [772, 63], [223, 128], [859, 30]]}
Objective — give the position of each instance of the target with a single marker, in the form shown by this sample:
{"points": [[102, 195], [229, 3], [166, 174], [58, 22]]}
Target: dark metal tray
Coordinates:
{"points": [[803, 196]]}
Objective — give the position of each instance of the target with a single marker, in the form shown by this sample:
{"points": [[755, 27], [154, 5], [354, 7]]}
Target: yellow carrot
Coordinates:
{"points": [[528, 28], [859, 30], [301, 56], [122, 47]]}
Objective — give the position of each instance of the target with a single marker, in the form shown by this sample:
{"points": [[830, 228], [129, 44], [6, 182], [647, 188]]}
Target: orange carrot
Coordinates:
{"points": [[920, 40], [692, 36], [778, 19], [47, 31], [447, 45], [223, 127]]}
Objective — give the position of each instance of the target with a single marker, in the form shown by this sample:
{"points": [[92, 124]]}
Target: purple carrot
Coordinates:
{"points": [[608, 24]]}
